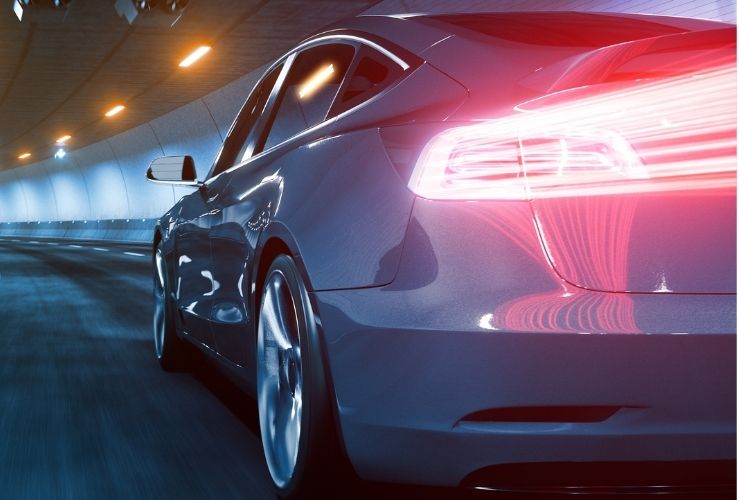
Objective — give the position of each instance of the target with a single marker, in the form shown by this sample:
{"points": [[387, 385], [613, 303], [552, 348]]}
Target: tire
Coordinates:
{"points": [[299, 436], [173, 353]]}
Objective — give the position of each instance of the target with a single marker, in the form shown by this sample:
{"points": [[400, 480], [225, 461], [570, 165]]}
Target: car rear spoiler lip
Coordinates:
{"points": [[580, 70]]}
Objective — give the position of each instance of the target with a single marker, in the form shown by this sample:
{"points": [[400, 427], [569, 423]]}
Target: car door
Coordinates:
{"points": [[199, 221], [194, 284], [229, 248], [302, 98]]}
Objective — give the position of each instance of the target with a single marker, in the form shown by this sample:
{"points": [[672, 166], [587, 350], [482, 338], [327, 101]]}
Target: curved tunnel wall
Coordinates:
{"points": [[99, 191]]}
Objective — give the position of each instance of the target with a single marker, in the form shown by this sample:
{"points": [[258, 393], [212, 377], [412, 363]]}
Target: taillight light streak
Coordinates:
{"points": [[666, 135], [565, 308]]}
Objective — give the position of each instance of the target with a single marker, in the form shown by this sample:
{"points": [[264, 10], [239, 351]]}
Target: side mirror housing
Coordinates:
{"points": [[173, 170]]}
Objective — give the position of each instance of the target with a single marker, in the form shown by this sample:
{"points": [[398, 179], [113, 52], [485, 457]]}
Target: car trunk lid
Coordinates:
{"points": [[632, 175]]}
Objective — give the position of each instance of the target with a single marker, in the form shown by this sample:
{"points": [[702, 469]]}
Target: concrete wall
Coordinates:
{"points": [[99, 191]]}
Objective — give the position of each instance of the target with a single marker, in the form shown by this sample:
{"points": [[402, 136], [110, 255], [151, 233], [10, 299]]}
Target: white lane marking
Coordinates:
{"points": [[135, 254], [100, 249], [33, 241], [15, 240], [51, 243], [74, 246]]}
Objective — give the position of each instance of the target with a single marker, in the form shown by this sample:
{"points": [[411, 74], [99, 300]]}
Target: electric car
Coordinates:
{"points": [[493, 250]]}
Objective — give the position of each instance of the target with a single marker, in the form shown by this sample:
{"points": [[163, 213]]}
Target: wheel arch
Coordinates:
{"points": [[274, 241]]}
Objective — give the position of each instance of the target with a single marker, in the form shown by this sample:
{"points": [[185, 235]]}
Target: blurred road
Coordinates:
{"points": [[85, 411]]}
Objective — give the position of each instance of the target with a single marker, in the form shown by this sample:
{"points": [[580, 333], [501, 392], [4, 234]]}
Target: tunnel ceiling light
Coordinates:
{"points": [[24, 156], [316, 81], [115, 110], [194, 56], [63, 139]]}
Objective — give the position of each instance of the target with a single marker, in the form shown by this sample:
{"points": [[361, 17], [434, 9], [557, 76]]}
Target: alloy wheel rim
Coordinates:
{"points": [[279, 379], [160, 313]]}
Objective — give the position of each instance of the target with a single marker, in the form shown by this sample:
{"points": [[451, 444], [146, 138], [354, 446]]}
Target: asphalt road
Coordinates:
{"points": [[86, 412]]}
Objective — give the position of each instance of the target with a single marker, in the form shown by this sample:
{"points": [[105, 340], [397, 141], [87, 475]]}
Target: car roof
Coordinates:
{"points": [[591, 29]]}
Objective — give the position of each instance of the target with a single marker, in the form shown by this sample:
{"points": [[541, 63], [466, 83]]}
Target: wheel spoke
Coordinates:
{"points": [[159, 318], [288, 430], [279, 378], [160, 305], [274, 314], [159, 265]]}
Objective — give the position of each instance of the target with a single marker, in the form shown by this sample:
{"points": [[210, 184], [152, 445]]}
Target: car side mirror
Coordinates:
{"points": [[173, 170]]}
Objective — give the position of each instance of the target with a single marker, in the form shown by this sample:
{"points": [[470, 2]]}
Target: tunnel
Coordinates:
{"points": [[458, 331]]}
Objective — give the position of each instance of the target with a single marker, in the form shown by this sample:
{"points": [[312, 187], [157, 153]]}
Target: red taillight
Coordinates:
{"points": [[475, 161], [668, 135]]}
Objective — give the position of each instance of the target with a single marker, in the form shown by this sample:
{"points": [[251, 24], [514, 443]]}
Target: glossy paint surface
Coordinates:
{"points": [[431, 310]]}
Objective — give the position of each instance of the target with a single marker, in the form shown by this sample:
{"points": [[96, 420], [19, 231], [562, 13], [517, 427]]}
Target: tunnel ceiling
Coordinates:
{"points": [[61, 70]]}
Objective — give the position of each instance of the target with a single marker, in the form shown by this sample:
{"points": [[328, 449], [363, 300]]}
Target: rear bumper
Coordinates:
{"points": [[697, 478], [478, 354], [405, 394]]}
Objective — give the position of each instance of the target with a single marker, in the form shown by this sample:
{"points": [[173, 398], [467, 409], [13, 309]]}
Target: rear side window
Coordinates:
{"points": [[309, 90], [371, 73], [237, 143]]}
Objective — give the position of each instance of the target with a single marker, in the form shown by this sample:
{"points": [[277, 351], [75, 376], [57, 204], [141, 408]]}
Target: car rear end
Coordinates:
{"points": [[563, 317]]}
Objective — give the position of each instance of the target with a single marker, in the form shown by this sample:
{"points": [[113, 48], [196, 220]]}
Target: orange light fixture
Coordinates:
{"points": [[24, 156], [315, 81], [194, 56], [63, 139], [115, 110]]}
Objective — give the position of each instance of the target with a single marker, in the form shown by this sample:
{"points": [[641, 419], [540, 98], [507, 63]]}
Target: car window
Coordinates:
{"points": [[237, 143], [371, 73], [309, 90]]}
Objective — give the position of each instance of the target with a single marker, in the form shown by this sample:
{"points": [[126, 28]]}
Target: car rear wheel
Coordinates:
{"points": [[298, 432], [173, 353]]}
